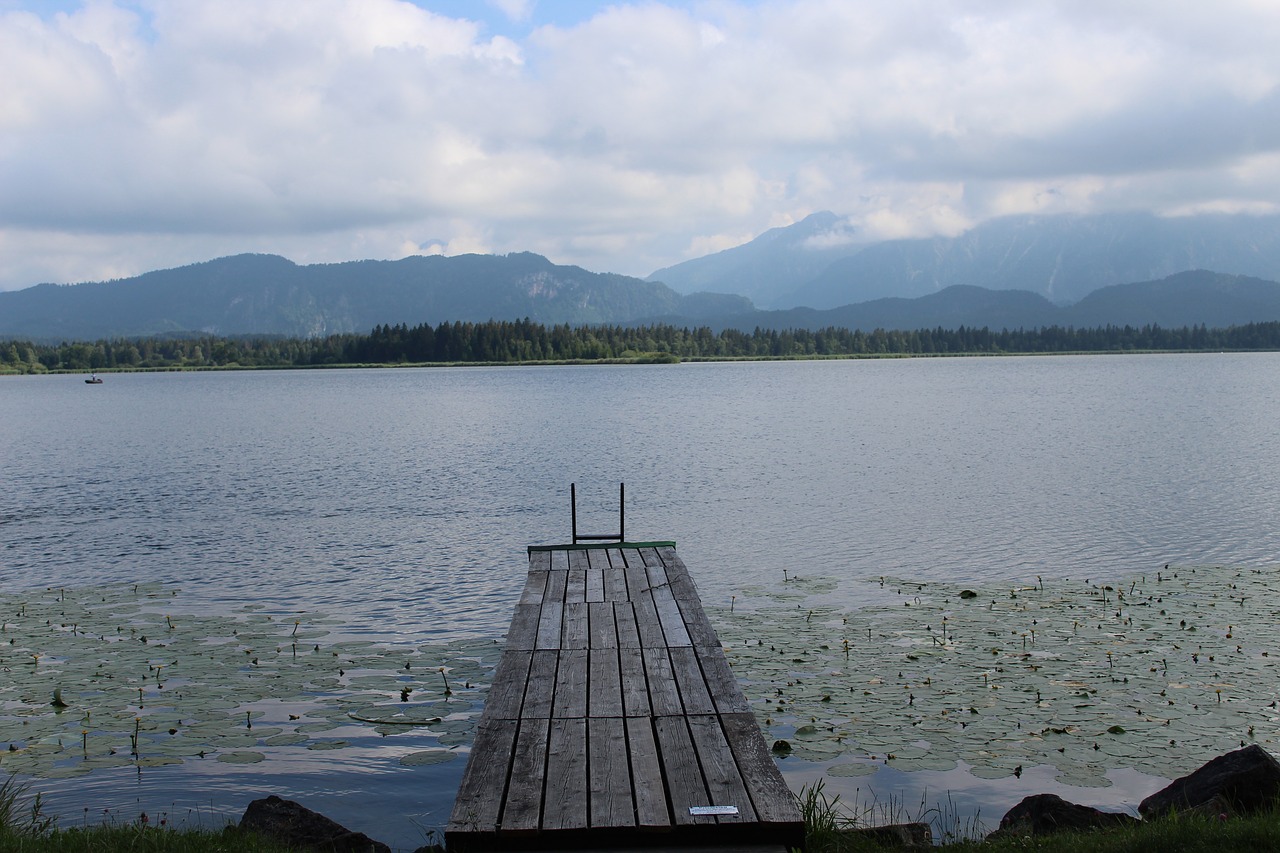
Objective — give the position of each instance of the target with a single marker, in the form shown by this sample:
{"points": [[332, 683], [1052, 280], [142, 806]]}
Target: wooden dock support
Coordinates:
{"points": [[614, 720]]}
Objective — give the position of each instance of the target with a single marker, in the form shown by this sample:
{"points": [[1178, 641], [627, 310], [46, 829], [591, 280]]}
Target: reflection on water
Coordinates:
{"points": [[403, 499]]}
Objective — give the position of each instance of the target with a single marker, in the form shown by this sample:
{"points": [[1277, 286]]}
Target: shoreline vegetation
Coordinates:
{"points": [[829, 828], [524, 342]]}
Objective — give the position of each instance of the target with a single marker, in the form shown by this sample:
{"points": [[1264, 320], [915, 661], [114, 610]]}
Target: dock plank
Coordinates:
{"points": [[612, 804], [673, 629], [576, 590], [646, 774], [604, 697], [683, 777], [481, 794], [720, 768], [770, 795], [694, 696], [612, 712], [540, 561], [534, 587], [541, 685], [523, 632], [573, 625], [635, 683], [650, 628], [664, 695], [565, 806], [602, 625], [506, 695], [571, 685], [523, 810], [723, 687], [624, 617], [615, 584], [595, 585]]}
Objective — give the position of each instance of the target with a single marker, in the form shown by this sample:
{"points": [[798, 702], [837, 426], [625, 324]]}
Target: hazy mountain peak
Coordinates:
{"points": [[786, 254]]}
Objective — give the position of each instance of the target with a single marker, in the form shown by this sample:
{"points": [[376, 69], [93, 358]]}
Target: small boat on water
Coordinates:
{"points": [[93, 380]]}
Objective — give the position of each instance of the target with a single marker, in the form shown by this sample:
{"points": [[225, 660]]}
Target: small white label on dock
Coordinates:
{"points": [[733, 810]]}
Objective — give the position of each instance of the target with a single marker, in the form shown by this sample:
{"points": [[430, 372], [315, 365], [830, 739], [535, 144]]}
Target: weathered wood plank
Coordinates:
{"points": [[609, 773], [624, 616], [506, 694], [695, 618], [721, 684], [720, 769], [555, 587], [647, 622], [604, 697], [523, 632], [770, 795], [571, 685], [602, 631], [478, 806], [550, 619], [669, 615], [615, 584], [550, 614], [523, 809], [637, 580], [613, 710], [635, 684], [664, 696], [683, 776], [534, 586], [646, 776], [565, 806], [688, 675], [540, 692], [573, 626], [595, 584], [576, 590]]}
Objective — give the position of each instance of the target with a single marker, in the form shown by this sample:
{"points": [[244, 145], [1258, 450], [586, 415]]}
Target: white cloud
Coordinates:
{"points": [[140, 133]]}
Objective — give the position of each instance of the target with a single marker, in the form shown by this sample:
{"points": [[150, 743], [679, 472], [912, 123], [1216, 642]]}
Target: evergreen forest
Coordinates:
{"points": [[524, 342]]}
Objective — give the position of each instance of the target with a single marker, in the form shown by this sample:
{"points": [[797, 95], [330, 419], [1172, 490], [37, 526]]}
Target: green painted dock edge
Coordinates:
{"points": [[599, 546]]}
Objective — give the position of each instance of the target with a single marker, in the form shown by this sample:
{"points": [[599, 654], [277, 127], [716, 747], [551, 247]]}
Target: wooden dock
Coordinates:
{"points": [[614, 720]]}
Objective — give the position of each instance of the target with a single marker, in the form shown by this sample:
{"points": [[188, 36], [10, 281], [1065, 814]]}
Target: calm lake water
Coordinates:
{"points": [[403, 500]]}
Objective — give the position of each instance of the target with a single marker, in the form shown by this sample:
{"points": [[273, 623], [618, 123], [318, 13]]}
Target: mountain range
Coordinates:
{"points": [[820, 262], [1011, 273]]}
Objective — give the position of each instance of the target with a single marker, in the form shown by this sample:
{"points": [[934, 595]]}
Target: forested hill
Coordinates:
{"points": [[267, 294]]}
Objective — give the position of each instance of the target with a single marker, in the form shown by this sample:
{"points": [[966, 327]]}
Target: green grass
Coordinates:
{"points": [[24, 828], [827, 819], [139, 839]]}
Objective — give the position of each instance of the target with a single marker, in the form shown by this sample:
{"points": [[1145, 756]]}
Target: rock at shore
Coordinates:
{"points": [[899, 836], [293, 824], [1246, 780], [1043, 814]]}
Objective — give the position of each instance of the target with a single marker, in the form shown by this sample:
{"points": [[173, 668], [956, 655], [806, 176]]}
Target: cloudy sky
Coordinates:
{"points": [[624, 137]]}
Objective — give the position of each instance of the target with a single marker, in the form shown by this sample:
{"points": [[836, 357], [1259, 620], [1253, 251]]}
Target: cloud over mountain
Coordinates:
{"points": [[147, 133]]}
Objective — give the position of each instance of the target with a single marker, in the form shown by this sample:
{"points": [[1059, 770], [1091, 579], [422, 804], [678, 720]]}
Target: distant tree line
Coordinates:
{"points": [[524, 341]]}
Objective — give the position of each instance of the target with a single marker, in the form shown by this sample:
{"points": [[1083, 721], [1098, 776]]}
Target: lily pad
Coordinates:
{"points": [[428, 756]]}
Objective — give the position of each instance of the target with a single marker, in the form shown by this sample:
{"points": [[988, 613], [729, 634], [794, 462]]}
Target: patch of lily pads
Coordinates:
{"points": [[118, 675], [1156, 671]]}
